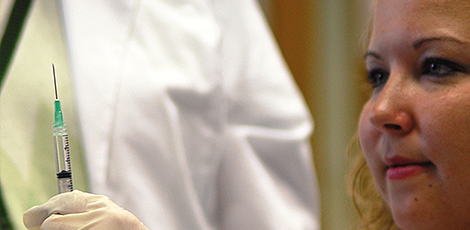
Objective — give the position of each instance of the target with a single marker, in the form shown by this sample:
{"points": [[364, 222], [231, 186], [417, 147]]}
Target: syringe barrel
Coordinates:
{"points": [[62, 154], [64, 184]]}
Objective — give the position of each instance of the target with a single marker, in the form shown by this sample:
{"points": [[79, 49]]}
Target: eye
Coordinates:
{"points": [[441, 67], [377, 77]]}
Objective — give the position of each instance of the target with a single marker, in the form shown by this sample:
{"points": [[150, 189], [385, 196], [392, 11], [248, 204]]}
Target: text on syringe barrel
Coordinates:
{"points": [[62, 150]]}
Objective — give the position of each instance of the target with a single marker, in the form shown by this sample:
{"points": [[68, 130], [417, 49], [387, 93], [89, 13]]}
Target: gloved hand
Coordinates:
{"points": [[79, 210]]}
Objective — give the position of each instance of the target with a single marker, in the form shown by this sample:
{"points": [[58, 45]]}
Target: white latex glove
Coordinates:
{"points": [[79, 210]]}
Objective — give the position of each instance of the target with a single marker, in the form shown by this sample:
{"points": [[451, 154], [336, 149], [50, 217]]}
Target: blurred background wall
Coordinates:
{"points": [[321, 41]]}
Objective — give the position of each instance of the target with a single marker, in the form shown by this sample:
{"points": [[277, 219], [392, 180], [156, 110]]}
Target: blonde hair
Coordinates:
{"points": [[373, 211]]}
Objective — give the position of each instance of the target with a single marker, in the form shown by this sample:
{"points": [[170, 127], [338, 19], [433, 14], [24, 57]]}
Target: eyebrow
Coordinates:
{"points": [[420, 42], [371, 54]]}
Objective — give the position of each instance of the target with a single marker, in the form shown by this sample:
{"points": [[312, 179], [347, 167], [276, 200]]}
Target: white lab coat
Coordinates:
{"points": [[190, 118]]}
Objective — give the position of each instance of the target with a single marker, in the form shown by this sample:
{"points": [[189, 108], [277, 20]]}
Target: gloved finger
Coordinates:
{"points": [[65, 203], [34, 217]]}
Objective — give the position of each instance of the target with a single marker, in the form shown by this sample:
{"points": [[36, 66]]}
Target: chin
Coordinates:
{"points": [[406, 219], [409, 213]]}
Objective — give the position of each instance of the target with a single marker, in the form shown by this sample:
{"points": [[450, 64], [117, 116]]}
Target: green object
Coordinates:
{"points": [[4, 222], [12, 33], [59, 119]]}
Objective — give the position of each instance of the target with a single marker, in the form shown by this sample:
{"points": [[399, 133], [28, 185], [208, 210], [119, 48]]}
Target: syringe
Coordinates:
{"points": [[61, 146]]}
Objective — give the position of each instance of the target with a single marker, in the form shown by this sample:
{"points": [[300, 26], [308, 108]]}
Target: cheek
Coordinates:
{"points": [[368, 136], [444, 131], [445, 128], [446, 138]]}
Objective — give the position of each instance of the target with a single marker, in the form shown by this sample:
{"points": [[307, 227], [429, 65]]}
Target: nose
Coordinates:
{"points": [[391, 110]]}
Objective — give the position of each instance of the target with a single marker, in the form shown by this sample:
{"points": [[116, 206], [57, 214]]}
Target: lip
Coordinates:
{"points": [[400, 168]]}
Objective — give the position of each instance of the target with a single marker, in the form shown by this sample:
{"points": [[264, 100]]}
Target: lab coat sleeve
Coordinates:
{"points": [[266, 178]]}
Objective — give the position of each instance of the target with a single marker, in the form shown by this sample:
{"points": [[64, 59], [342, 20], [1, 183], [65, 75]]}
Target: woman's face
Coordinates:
{"points": [[415, 128]]}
